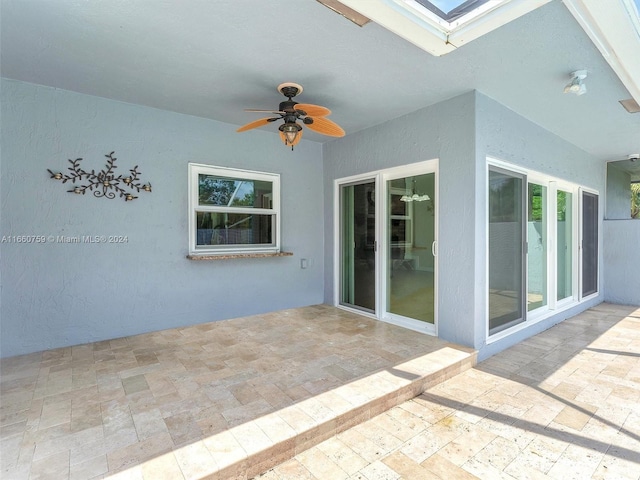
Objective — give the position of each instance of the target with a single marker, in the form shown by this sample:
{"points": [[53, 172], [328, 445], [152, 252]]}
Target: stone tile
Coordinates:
{"points": [[405, 467], [443, 468], [342, 455], [378, 471], [575, 415], [293, 470], [54, 466], [320, 465], [192, 401], [89, 468]]}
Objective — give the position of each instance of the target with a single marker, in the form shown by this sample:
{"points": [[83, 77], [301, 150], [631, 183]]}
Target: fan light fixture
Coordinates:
{"points": [[312, 116], [577, 85], [290, 132]]}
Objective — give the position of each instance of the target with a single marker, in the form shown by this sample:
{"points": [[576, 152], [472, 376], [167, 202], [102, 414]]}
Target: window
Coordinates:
{"points": [[506, 255], [441, 26], [589, 244], [564, 242], [233, 211], [534, 217], [450, 10]]}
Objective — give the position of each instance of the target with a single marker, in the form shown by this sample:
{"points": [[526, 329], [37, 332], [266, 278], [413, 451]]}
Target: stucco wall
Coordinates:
{"points": [[618, 193], [621, 246], [55, 295], [462, 132], [507, 136], [444, 131]]}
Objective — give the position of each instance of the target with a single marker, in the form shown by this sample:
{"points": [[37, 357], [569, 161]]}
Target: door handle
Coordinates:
{"points": [[434, 248]]}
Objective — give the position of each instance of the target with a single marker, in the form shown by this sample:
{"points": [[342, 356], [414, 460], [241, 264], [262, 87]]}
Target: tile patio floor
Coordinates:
{"points": [[564, 405], [226, 399]]}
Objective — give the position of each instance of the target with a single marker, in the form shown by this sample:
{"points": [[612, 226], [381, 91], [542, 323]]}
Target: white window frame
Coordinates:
{"points": [[434, 35], [196, 169], [380, 178], [581, 191], [553, 306]]}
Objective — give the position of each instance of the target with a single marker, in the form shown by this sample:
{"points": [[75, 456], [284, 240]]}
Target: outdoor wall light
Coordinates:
{"points": [[577, 85]]}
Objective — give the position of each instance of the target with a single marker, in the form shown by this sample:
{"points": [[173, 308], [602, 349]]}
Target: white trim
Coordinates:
{"points": [[422, 168], [581, 191], [380, 177], [195, 169], [615, 32], [529, 323], [434, 36], [554, 306], [337, 238]]}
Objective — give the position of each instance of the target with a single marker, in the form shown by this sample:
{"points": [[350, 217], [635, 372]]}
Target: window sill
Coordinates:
{"points": [[231, 256]]}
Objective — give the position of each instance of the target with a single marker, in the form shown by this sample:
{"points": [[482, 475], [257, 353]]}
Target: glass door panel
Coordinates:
{"points": [[506, 249], [589, 243], [537, 247], [358, 246], [410, 237], [564, 254]]}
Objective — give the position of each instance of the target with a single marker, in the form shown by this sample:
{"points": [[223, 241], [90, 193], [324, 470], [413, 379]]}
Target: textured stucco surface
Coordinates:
{"points": [[444, 131], [462, 132], [56, 295], [618, 199], [621, 245], [507, 136]]}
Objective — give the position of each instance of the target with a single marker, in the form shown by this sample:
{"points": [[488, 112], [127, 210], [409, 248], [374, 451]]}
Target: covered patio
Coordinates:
{"points": [[227, 399]]}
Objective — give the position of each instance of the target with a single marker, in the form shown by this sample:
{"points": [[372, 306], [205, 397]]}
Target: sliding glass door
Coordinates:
{"points": [[506, 249], [589, 243], [410, 240], [387, 245], [564, 242], [543, 264], [358, 245], [537, 240]]}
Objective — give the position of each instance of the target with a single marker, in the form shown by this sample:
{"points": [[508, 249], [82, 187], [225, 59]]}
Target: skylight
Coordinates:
{"points": [[449, 15], [441, 26], [452, 9]]}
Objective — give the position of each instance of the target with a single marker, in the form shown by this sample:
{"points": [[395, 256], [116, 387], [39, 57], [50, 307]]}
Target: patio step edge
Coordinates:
{"points": [[392, 390]]}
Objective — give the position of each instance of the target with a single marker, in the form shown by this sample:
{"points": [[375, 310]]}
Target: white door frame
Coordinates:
{"points": [[380, 177]]}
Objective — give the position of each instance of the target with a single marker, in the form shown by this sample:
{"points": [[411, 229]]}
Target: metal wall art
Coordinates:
{"points": [[104, 183]]}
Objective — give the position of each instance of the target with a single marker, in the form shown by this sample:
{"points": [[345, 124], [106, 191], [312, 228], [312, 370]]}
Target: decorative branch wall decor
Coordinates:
{"points": [[105, 183]]}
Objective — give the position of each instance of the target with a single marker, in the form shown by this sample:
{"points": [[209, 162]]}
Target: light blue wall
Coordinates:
{"points": [[505, 135], [461, 132], [56, 295], [444, 131], [618, 193], [621, 245]]}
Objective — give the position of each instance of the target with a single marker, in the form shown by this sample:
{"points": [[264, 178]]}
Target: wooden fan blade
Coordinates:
{"points": [[313, 110], [295, 142], [254, 110], [326, 127], [254, 124]]}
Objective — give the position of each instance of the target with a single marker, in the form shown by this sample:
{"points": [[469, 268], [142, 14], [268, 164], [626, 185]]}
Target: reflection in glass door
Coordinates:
{"points": [[410, 240], [358, 246], [506, 249], [564, 254], [589, 243], [537, 247]]}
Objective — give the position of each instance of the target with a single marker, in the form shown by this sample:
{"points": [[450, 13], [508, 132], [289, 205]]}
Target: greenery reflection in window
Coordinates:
{"points": [[233, 210]]}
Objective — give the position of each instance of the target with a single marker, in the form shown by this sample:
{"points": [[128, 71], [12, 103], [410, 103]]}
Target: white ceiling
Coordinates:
{"points": [[215, 58]]}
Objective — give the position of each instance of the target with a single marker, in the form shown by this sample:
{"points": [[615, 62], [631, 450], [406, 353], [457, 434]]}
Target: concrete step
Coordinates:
{"points": [[270, 440]]}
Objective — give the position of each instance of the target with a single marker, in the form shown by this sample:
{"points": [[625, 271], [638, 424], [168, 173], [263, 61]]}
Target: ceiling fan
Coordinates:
{"points": [[312, 116]]}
